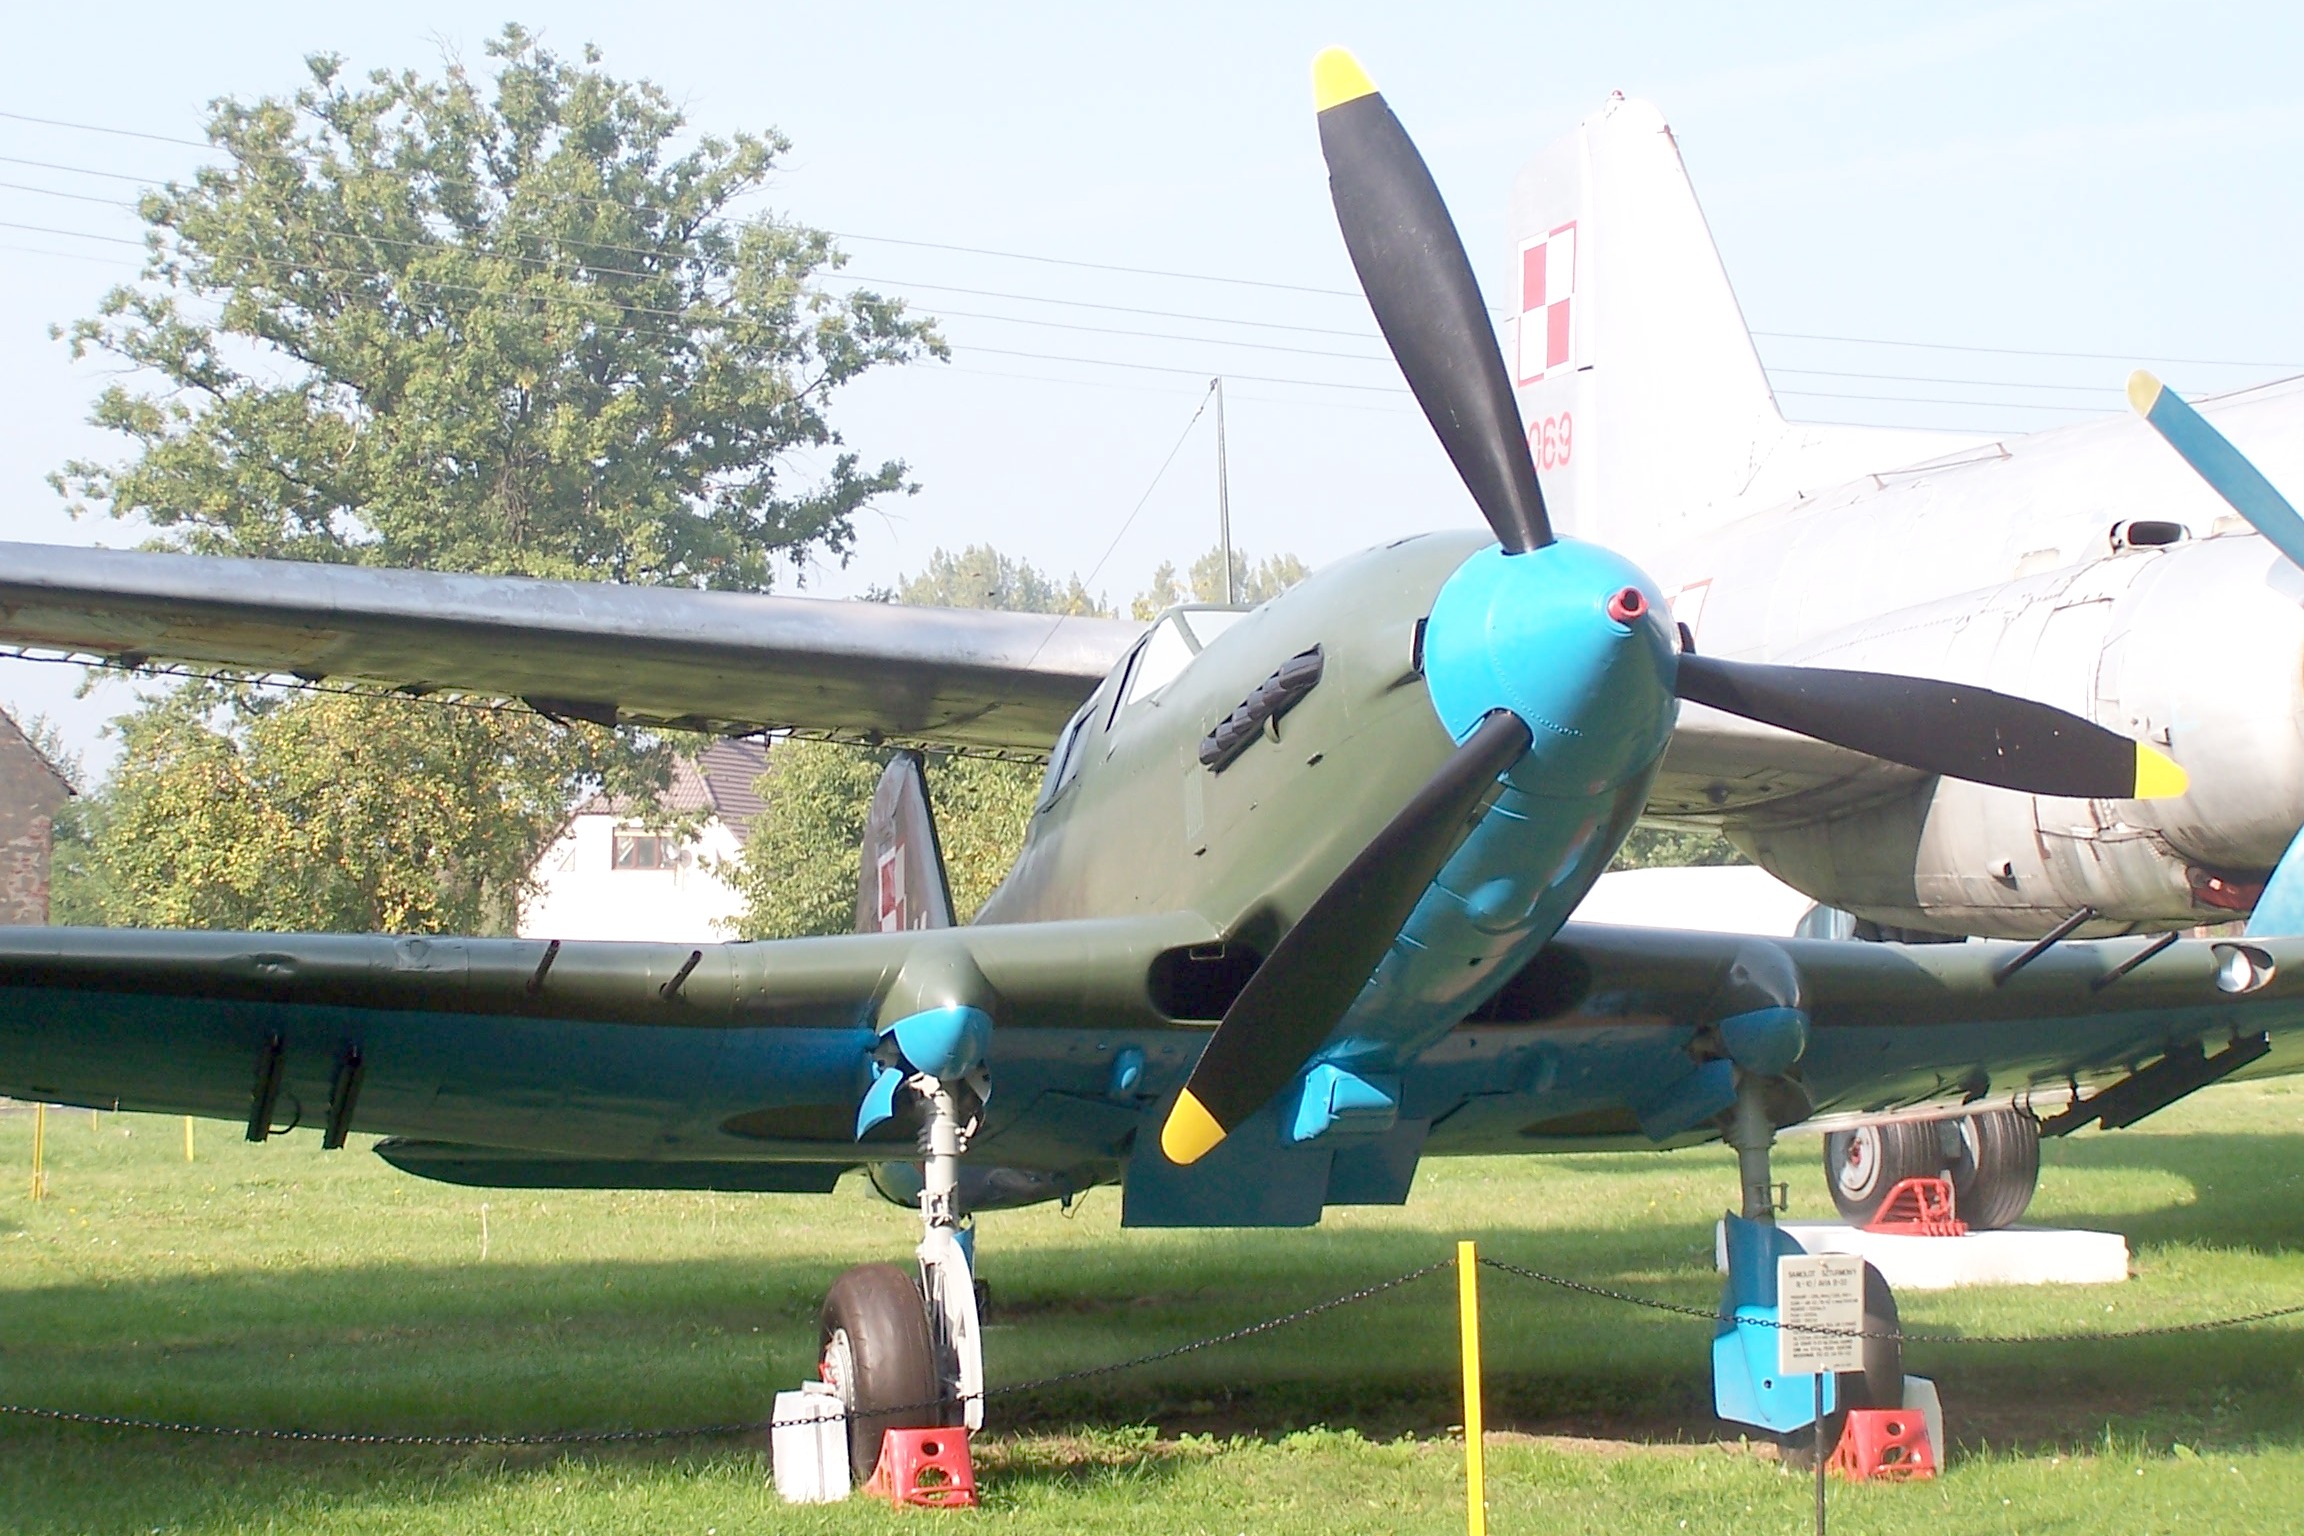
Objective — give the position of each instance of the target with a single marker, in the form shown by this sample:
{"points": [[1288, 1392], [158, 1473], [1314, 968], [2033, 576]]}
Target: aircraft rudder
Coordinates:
{"points": [[900, 880], [1639, 385]]}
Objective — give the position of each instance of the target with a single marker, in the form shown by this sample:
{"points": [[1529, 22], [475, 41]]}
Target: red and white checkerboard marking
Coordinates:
{"points": [[892, 889], [1547, 303]]}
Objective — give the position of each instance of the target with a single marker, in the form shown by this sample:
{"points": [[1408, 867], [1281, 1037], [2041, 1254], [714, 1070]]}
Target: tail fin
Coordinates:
{"points": [[902, 884], [1647, 409]]}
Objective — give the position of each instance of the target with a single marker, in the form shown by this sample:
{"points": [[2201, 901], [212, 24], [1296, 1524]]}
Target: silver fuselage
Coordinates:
{"points": [[2013, 565]]}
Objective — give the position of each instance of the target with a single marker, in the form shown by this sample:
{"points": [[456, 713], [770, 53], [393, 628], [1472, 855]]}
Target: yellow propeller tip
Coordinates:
{"points": [[2143, 391], [1191, 1132], [2158, 777], [1337, 78]]}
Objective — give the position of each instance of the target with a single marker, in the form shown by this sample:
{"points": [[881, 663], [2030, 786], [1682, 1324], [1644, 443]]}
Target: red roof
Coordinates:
{"points": [[718, 783]]}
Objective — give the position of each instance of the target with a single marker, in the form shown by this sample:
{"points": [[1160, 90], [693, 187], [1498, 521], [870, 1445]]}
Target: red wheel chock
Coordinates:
{"points": [[1918, 1208], [925, 1468], [1886, 1443]]}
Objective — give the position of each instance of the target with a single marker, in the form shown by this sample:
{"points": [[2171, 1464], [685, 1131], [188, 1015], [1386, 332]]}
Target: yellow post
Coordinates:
{"points": [[39, 1151], [187, 1138], [1468, 1325]]}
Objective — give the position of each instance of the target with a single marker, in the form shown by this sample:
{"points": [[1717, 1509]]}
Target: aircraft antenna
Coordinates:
{"points": [[1223, 496]]}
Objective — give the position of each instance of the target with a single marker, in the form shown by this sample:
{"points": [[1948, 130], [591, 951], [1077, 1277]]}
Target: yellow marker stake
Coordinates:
{"points": [[39, 1151], [1468, 1323], [187, 1138]]}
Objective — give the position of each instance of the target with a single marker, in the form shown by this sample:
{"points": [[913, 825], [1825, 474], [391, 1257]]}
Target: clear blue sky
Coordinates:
{"points": [[2114, 178]]}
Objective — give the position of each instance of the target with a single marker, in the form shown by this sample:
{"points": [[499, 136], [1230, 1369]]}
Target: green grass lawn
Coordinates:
{"points": [[279, 1285]]}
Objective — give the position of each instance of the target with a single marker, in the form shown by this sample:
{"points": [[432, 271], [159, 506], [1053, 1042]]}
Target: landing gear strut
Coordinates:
{"points": [[906, 1351], [1746, 1388]]}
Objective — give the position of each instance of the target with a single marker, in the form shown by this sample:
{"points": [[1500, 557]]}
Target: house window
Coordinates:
{"points": [[643, 850]]}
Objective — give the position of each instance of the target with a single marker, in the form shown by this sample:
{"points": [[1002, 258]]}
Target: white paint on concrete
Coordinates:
{"points": [[2013, 1256]]}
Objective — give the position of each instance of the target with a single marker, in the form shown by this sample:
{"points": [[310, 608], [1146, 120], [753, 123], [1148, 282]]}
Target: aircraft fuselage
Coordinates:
{"points": [[2088, 568]]}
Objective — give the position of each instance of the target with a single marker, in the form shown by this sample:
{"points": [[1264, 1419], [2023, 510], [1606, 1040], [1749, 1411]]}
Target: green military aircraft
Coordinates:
{"points": [[1290, 915]]}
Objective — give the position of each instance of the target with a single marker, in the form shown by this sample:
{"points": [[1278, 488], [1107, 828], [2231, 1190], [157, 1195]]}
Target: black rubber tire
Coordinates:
{"points": [[1862, 1165], [1996, 1169], [1879, 1385], [892, 1380]]}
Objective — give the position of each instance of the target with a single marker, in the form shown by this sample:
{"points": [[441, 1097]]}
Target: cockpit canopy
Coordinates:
{"points": [[1176, 637]]}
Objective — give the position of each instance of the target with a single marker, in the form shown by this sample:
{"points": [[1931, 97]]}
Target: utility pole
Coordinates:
{"points": [[1223, 497]]}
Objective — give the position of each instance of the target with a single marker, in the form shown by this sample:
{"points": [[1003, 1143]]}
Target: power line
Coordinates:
{"points": [[546, 264], [1129, 521], [1155, 389], [1869, 341], [1358, 335], [1117, 309], [1988, 405], [1100, 266], [1212, 341], [77, 197], [1253, 378], [925, 245], [123, 133], [2093, 357], [607, 301], [72, 234], [75, 170], [109, 202], [1914, 378]]}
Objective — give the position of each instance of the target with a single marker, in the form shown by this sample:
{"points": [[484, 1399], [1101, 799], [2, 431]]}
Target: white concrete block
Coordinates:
{"points": [[808, 1446], [2013, 1256]]}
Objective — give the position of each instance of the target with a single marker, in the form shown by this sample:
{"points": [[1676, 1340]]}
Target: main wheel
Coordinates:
{"points": [[1996, 1168], [1879, 1385], [875, 1348], [1863, 1164]]}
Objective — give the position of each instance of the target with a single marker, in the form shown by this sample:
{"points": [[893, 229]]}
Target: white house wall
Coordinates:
{"points": [[581, 895]]}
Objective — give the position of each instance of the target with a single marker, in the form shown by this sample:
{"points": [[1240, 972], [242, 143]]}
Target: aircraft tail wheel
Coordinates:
{"points": [[1996, 1168], [874, 1346], [1861, 1165], [1879, 1385]]}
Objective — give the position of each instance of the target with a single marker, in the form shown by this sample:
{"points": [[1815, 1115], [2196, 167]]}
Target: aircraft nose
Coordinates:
{"points": [[1571, 638]]}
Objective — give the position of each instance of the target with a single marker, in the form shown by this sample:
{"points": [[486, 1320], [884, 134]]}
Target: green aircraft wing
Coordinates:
{"points": [[740, 1066], [644, 1054], [712, 661]]}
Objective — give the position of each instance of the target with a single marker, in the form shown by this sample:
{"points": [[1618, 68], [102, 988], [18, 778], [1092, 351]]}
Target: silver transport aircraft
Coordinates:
{"points": [[2087, 567]]}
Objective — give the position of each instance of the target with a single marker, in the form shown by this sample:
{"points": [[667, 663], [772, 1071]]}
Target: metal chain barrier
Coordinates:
{"points": [[1085, 1373], [1901, 1336], [707, 1431]]}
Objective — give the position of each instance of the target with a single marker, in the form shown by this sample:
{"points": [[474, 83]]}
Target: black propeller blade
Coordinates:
{"points": [[1938, 727], [1413, 268], [1419, 283], [1295, 998]]}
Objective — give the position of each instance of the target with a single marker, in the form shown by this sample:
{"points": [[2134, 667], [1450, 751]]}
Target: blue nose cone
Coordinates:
{"points": [[1573, 639]]}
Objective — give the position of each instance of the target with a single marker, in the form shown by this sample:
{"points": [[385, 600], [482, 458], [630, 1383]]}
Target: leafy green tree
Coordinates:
{"points": [[799, 867], [505, 325], [485, 327], [344, 812], [1253, 581], [981, 577], [1675, 848]]}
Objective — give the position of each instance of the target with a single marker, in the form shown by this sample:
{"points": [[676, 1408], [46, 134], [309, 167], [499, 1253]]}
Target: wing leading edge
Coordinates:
{"points": [[716, 661]]}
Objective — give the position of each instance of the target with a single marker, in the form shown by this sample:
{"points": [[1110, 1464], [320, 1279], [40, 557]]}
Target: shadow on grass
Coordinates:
{"points": [[594, 1346], [529, 1348], [2246, 1191]]}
